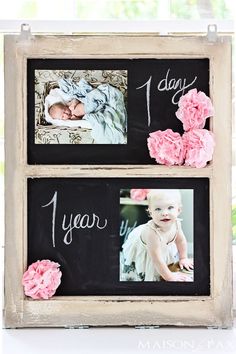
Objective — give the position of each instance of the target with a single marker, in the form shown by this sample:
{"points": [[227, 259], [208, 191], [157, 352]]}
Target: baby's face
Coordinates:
{"points": [[164, 211], [61, 112]]}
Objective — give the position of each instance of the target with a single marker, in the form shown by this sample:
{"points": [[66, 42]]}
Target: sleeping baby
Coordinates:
{"points": [[78, 104], [72, 110]]}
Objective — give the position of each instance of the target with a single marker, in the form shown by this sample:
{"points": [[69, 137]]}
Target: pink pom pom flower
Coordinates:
{"points": [[199, 145], [194, 108], [139, 194], [41, 279], [166, 147]]}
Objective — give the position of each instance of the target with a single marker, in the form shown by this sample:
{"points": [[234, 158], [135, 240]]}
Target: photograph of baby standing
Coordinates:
{"points": [[80, 107], [157, 235]]}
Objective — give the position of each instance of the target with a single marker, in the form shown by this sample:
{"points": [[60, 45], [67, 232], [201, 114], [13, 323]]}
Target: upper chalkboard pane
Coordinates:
{"points": [[107, 107]]}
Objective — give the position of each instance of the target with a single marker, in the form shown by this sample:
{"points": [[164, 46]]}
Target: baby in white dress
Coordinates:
{"points": [[152, 247]]}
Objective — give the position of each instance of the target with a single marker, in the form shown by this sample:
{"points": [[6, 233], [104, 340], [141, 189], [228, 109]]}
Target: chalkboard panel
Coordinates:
{"points": [[76, 222], [154, 87]]}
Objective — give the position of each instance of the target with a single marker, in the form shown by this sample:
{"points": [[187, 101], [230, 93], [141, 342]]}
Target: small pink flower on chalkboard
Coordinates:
{"points": [[194, 108], [139, 194], [199, 144], [166, 147], [42, 279]]}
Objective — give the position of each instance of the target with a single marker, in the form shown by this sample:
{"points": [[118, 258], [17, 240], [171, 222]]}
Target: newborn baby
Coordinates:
{"points": [[72, 110]]}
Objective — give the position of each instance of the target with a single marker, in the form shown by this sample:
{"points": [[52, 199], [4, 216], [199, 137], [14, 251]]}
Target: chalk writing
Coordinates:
{"points": [[71, 222], [148, 90], [125, 229], [179, 84], [166, 84]]}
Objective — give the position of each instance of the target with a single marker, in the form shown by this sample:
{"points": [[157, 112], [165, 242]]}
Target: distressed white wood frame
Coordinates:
{"points": [[69, 311]]}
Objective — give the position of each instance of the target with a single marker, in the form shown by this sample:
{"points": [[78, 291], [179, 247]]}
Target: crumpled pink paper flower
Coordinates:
{"points": [[199, 145], [194, 108], [41, 279], [138, 194], [166, 147]]}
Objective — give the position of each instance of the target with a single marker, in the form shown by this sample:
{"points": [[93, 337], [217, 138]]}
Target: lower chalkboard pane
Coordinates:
{"points": [[82, 223]]}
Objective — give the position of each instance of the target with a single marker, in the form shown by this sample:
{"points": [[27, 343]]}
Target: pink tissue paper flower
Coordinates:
{"points": [[138, 194], [166, 147], [41, 279], [194, 108], [199, 144]]}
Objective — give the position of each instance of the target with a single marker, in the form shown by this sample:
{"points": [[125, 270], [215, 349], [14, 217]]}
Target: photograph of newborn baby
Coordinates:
{"points": [[80, 107]]}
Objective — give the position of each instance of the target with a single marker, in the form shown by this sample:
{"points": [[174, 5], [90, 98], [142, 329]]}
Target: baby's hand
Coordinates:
{"points": [[178, 276], [186, 263], [72, 104], [73, 117]]}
